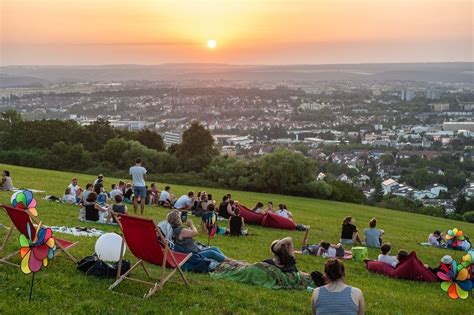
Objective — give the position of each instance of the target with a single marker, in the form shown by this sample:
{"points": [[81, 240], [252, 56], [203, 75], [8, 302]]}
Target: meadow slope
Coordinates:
{"points": [[62, 289]]}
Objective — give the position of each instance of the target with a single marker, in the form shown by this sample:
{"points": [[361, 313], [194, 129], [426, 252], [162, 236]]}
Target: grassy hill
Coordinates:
{"points": [[62, 289]]}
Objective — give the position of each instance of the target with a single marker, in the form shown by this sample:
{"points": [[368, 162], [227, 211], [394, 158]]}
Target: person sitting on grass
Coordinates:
{"points": [[436, 239], [385, 255], [68, 198], [183, 239], [165, 197], [210, 200], [349, 234], [236, 225], [225, 207], [115, 190], [85, 194], [373, 236], [206, 216], [336, 297], [74, 190], [128, 194], [118, 207], [7, 182], [283, 212], [184, 203], [154, 194], [258, 208], [93, 211], [102, 196]]}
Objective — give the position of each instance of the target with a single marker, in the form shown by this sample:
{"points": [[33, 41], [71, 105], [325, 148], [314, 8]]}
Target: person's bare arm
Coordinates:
{"points": [[361, 304], [313, 300], [229, 210], [190, 231], [243, 224], [288, 242], [305, 237]]}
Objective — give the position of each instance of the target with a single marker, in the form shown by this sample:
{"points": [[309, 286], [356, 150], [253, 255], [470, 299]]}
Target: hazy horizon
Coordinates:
{"points": [[257, 32]]}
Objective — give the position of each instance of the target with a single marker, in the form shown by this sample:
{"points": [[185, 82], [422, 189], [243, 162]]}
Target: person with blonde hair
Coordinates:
{"points": [[183, 239]]}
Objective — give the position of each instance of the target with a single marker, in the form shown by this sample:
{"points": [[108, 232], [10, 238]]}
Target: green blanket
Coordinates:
{"points": [[263, 275]]}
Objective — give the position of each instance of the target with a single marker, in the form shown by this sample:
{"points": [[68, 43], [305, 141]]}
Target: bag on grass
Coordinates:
{"points": [[93, 266], [360, 253]]}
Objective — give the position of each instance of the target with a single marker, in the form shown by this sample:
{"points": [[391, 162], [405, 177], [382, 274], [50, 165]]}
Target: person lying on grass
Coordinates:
{"points": [[336, 297], [349, 233], [183, 239], [278, 272], [323, 249]]}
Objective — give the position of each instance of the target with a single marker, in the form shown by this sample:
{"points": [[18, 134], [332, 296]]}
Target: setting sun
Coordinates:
{"points": [[211, 43]]}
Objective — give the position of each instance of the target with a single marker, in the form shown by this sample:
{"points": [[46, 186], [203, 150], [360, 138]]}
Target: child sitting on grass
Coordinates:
{"points": [[117, 207], [385, 255], [436, 239], [68, 198]]}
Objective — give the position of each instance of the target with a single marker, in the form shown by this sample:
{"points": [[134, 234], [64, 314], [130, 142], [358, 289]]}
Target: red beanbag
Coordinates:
{"points": [[273, 220], [250, 216], [409, 269], [412, 269], [379, 267]]}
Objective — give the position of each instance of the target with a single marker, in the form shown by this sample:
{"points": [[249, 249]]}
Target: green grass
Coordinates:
{"points": [[62, 289]]}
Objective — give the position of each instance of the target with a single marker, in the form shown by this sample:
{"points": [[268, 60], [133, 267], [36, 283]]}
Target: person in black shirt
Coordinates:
{"points": [[236, 225], [349, 234], [225, 208]]}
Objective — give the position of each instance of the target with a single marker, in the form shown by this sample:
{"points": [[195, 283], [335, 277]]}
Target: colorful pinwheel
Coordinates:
{"points": [[36, 251], [24, 200], [456, 279]]}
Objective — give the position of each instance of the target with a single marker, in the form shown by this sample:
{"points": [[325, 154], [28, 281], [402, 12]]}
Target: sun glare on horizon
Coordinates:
{"points": [[211, 43]]}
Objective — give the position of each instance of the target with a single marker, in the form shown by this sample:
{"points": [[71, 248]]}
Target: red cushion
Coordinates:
{"points": [[409, 269], [250, 216], [379, 267], [412, 269], [275, 221]]}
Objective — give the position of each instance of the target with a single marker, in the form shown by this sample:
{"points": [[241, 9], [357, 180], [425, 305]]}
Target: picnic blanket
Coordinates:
{"points": [[263, 275], [77, 231], [32, 190]]}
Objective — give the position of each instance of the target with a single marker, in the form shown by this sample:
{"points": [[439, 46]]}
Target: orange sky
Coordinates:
{"points": [[247, 31]]}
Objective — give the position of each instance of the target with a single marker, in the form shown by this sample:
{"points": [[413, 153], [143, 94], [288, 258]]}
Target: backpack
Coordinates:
{"points": [[93, 266]]}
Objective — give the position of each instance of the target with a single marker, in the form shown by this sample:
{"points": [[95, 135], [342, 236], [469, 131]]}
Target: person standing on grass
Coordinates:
{"points": [[138, 173]]}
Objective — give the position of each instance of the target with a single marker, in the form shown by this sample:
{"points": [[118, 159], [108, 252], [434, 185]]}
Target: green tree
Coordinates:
{"points": [[281, 170], [229, 172], [377, 194], [196, 150], [150, 139]]}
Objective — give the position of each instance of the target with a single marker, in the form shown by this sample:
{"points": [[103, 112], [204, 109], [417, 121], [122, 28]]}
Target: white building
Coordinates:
{"points": [[172, 137], [436, 189], [387, 186], [242, 141], [458, 125]]}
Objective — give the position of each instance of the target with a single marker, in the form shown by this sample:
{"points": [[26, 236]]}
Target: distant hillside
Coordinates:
{"points": [[461, 72]]}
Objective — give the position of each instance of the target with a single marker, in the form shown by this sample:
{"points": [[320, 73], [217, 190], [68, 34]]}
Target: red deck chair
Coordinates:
{"points": [[19, 219], [147, 243]]}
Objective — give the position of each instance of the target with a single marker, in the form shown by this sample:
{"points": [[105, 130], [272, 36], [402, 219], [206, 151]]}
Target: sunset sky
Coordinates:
{"points": [[247, 31]]}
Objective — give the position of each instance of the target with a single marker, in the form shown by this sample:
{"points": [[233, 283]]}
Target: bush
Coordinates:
{"points": [[469, 216]]}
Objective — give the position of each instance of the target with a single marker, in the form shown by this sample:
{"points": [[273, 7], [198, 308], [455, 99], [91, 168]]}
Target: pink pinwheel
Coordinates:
{"points": [[24, 200]]}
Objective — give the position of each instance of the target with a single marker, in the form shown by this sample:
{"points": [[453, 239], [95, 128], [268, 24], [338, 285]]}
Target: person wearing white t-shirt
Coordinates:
{"points": [[385, 255], [138, 173], [165, 197], [115, 191], [283, 212], [73, 189], [183, 204]]}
